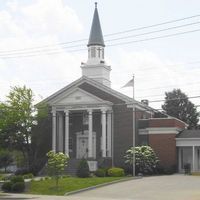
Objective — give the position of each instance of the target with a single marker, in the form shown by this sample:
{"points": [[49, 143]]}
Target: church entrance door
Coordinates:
{"points": [[82, 145]]}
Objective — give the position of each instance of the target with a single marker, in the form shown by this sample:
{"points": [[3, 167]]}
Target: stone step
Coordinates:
{"points": [[72, 166]]}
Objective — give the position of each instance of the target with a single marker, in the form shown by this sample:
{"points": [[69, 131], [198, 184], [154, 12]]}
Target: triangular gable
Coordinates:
{"points": [[82, 80], [76, 96]]}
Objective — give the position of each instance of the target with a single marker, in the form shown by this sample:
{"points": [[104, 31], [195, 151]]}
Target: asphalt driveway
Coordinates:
{"points": [[174, 187]]}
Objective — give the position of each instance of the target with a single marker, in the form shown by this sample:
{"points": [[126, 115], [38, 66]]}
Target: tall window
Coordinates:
{"points": [[99, 52], [103, 53], [93, 52]]}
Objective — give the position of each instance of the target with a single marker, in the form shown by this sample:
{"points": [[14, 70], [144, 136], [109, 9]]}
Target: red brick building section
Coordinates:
{"points": [[161, 135], [165, 147]]}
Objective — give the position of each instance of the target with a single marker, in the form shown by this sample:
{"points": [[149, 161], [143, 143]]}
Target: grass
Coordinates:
{"points": [[47, 187]]}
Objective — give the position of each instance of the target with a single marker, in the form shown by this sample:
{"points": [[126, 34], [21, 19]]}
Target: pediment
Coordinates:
{"points": [[76, 96]]}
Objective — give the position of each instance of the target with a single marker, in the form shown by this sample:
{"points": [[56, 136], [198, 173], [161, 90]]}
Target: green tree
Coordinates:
{"points": [[56, 164], [6, 158], [18, 117], [146, 160], [178, 105]]}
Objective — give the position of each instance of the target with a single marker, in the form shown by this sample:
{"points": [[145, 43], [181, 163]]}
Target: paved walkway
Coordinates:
{"points": [[174, 187]]}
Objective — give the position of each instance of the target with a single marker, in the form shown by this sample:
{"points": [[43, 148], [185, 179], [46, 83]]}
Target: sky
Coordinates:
{"points": [[36, 39]]}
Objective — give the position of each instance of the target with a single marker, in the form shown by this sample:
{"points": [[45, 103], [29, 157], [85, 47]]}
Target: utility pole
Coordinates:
{"points": [[133, 127]]}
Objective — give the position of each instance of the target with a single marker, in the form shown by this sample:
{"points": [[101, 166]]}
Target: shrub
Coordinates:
{"points": [[18, 187], [101, 172], [47, 178], [116, 172], [83, 169], [16, 184], [16, 179], [27, 176], [146, 160], [6, 187]]}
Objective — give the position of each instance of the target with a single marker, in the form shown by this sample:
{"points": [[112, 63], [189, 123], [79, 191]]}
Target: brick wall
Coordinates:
{"points": [[165, 147], [123, 132]]}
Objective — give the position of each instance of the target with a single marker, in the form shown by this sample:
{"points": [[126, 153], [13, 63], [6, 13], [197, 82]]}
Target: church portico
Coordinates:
{"points": [[82, 132]]}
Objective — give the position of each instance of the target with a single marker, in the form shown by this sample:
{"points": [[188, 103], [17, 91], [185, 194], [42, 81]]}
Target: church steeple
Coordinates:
{"points": [[96, 67], [96, 36]]}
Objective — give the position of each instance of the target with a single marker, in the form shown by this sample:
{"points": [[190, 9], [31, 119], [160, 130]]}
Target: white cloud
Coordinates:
{"points": [[50, 16], [36, 24]]}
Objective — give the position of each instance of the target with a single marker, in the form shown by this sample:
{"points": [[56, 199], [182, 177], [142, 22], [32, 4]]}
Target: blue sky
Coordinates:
{"points": [[159, 65]]}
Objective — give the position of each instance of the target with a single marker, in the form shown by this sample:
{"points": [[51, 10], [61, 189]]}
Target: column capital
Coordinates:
{"points": [[103, 110], [53, 112], [89, 111], [66, 112]]}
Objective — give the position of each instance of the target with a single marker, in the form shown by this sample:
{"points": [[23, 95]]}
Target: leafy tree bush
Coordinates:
{"points": [[56, 164], [16, 184], [16, 179], [101, 172], [116, 172], [83, 169], [27, 176], [6, 187], [177, 104], [146, 161], [18, 187], [6, 159], [18, 118]]}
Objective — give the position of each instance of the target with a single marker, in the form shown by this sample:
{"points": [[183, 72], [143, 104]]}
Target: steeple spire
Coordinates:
{"points": [[96, 36], [96, 67]]}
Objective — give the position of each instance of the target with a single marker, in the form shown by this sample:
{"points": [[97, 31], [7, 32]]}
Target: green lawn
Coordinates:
{"points": [[47, 187]]}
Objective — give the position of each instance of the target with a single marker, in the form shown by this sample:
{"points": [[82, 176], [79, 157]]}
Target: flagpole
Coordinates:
{"points": [[133, 127]]}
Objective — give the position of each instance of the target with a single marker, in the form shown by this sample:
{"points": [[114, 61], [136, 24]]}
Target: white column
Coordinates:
{"points": [[103, 114], [60, 132], [54, 130], [179, 159], [193, 158], [90, 150], [66, 132], [109, 133]]}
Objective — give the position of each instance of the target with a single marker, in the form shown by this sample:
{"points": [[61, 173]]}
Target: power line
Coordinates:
{"points": [[15, 52], [154, 25], [2, 54], [116, 44], [154, 38], [161, 100], [107, 35], [156, 31]]}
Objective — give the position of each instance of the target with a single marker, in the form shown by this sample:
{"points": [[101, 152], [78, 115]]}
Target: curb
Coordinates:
{"points": [[101, 185]]}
